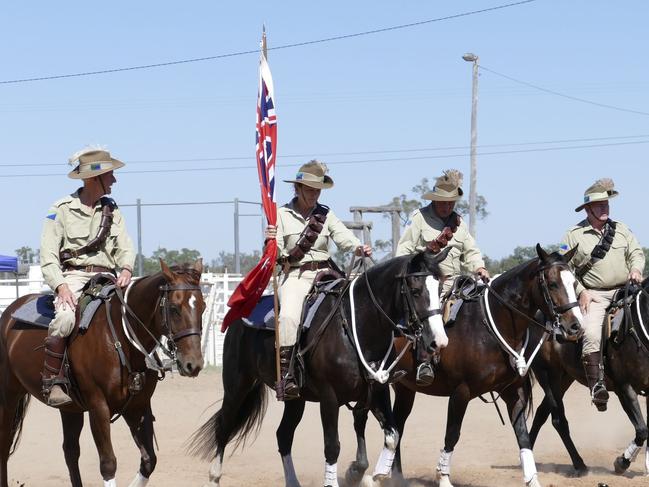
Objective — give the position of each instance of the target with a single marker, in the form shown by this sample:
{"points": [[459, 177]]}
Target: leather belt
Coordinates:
{"points": [[315, 265], [604, 288], [88, 268]]}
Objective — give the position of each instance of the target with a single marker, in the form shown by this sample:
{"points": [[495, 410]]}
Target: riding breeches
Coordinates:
{"points": [[594, 319], [64, 319], [294, 287]]}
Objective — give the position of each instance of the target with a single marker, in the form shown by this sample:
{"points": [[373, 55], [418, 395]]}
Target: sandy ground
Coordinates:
{"points": [[486, 455]]}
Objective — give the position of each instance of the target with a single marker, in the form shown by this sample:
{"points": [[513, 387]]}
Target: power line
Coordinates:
{"points": [[364, 161], [563, 95], [353, 153], [256, 51]]}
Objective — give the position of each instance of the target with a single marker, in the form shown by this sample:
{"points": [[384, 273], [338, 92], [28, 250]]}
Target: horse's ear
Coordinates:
{"points": [[570, 254], [166, 271], [432, 260], [543, 255], [198, 265]]}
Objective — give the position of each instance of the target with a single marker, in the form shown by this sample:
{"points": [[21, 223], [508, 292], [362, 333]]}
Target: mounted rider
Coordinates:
{"points": [[303, 232], [84, 234], [434, 227], [608, 256]]}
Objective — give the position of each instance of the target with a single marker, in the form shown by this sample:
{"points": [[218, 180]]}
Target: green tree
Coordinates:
{"points": [[517, 257], [26, 255], [170, 257], [225, 261]]}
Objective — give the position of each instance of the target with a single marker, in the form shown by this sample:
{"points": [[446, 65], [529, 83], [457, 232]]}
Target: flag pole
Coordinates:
{"points": [[275, 287]]}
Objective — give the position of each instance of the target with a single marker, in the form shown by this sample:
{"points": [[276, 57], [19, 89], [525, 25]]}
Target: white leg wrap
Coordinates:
{"points": [[646, 460], [444, 462], [631, 452], [528, 464], [139, 481], [110, 483], [331, 475], [445, 481], [290, 477], [215, 470], [384, 465]]}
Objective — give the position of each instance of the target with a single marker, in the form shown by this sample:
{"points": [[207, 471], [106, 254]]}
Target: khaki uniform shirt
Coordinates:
{"points": [[70, 225], [290, 224], [424, 226], [611, 271]]}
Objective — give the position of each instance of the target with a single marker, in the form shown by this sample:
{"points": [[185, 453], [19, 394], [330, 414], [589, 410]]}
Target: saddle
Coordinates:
{"points": [[38, 312], [618, 318], [465, 288]]}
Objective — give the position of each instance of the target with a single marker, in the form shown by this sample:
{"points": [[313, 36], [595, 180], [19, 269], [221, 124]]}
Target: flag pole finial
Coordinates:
{"points": [[263, 41]]}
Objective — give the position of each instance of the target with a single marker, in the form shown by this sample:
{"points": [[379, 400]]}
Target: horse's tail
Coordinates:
{"points": [[243, 407], [21, 408], [528, 386], [17, 424]]}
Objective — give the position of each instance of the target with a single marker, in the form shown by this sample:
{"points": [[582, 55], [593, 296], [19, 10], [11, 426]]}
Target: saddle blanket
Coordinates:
{"points": [[263, 315], [39, 312]]}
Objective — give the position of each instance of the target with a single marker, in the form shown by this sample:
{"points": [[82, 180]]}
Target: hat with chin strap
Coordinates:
{"points": [[600, 190], [91, 162], [314, 175]]}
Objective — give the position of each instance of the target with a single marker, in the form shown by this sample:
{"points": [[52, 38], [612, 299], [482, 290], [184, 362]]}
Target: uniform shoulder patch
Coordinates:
{"points": [[51, 216]]}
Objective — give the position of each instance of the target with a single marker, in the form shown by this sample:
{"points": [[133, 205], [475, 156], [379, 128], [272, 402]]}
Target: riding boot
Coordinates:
{"points": [[286, 389], [53, 374], [595, 379], [425, 374]]}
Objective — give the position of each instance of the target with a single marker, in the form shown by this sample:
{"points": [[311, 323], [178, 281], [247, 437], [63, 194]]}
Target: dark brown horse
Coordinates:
{"points": [[353, 327], [484, 354], [108, 366], [627, 374]]}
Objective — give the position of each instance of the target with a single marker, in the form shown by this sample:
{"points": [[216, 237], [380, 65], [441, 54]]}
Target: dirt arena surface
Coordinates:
{"points": [[486, 456]]}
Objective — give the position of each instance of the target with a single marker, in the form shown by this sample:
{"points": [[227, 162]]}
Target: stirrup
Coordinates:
{"points": [[425, 374], [286, 390], [599, 396]]}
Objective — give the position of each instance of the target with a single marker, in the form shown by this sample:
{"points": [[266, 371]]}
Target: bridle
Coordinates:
{"points": [[165, 308], [413, 324], [554, 323], [555, 311], [549, 327]]}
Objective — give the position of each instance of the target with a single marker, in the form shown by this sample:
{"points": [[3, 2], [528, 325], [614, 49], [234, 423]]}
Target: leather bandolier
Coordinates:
{"points": [[108, 206], [307, 238], [600, 250]]}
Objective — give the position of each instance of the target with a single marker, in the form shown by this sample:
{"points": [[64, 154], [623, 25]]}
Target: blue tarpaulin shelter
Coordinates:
{"points": [[8, 264]]}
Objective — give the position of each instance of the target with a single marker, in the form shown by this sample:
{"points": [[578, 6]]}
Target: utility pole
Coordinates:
{"points": [[473, 196], [140, 257], [237, 257]]}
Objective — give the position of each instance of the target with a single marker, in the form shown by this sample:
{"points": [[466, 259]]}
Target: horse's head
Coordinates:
{"points": [[421, 287], [181, 306], [557, 299]]}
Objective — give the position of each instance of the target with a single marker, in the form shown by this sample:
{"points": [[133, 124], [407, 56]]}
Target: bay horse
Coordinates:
{"points": [[627, 374], [345, 337], [110, 366], [487, 352]]}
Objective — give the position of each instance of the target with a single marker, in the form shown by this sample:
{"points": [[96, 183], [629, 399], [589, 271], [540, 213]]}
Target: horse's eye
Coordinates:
{"points": [[416, 293], [553, 285]]}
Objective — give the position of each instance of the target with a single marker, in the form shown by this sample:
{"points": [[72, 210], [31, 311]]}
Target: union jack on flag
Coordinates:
{"points": [[248, 292]]}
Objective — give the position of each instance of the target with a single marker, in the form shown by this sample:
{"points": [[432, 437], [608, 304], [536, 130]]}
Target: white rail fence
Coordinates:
{"points": [[217, 289]]}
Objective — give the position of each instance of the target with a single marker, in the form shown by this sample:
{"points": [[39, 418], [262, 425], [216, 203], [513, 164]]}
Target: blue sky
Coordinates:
{"points": [[398, 91]]}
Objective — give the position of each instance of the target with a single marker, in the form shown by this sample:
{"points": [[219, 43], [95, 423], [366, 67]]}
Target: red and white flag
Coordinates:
{"points": [[248, 292]]}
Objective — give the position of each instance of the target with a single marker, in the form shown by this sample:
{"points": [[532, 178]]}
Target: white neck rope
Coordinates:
{"points": [[637, 303], [522, 365], [149, 357], [382, 375]]}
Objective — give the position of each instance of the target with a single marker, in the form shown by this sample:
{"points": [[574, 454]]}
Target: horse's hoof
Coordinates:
{"points": [[445, 481], [534, 482], [621, 464], [354, 473]]}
